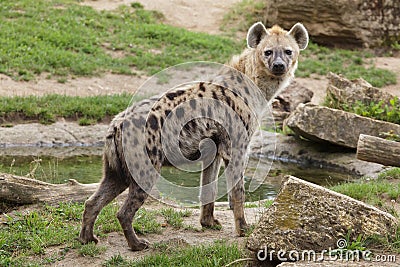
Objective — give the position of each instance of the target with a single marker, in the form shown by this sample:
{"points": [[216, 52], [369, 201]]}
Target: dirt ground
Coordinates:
{"points": [[116, 243], [194, 15]]}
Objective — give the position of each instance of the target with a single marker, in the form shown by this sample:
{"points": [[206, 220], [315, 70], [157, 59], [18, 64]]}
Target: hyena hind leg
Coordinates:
{"points": [[110, 187], [236, 193], [208, 193], [133, 202]]}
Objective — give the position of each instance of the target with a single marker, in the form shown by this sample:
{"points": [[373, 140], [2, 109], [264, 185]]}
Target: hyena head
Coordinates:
{"points": [[276, 48]]}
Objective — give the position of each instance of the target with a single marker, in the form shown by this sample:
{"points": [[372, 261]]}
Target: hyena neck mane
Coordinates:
{"points": [[270, 59]]}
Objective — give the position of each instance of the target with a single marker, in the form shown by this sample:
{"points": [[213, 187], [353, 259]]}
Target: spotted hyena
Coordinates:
{"points": [[134, 150]]}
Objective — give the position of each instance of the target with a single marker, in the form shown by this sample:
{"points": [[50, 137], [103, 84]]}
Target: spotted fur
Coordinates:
{"points": [[133, 148]]}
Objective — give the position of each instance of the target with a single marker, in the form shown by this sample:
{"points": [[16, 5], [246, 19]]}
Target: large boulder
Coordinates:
{"points": [[341, 23], [342, 128], [305, 216]]}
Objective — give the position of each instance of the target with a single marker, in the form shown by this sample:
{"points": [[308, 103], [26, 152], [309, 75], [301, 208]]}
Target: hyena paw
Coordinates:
{"points": [[84, 239], [141, 244], [210, 223]]}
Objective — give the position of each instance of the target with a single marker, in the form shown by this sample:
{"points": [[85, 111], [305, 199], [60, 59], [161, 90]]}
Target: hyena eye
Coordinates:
{"points": [[268, 53], [288, 52]]}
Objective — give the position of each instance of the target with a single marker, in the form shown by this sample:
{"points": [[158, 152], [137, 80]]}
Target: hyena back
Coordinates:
{"points": [[134, 154]]}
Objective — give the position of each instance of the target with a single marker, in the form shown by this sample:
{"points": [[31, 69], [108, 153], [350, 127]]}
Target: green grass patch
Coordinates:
{"points": [[393, 173], [175, 218], [30, 234], [268, 203], [64, 38], [91, 249], [27, 235], [217, 254], [352, 64], [145, 222], [46, 109], [389, 112], [373, 192], [242, 15]]}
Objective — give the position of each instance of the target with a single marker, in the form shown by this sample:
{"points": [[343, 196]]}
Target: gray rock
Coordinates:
{"points": [[288, 100], [292, 96], [342, 128], [341, 91], [305, 216], [340, 23], [311, 155]]}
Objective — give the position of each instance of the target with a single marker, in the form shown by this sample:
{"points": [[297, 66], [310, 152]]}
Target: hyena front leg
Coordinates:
{"points": [[208, 193], [235, 182], [111, 186], [133, 202]]}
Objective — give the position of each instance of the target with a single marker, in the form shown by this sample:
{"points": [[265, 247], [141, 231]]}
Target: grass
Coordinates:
{"points": [[242, 15], [217, 254], [352, 64], [25, 238], [90, 249], [29, 234], [392, 173], [47, 109], [64, 38], [370, 191], [374, 191], [381, 110], [175, 218]]}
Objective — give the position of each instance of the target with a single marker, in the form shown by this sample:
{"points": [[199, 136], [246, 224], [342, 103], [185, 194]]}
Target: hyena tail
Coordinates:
{"points": [[113, 157]]}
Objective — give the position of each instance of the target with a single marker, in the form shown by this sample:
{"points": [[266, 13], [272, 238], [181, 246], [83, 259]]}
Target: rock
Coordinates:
{"points": [[342, 128], [305, 216], [340, 23], [292, 96], [288, 100], [310, 155], [341, 91]]}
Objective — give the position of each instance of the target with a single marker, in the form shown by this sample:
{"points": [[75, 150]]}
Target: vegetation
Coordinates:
{"points": [[382, 192], [29, 234], [47, 109], [321, 60], [175, 218], [63, 38], [389, 112], [217, 254], [374, 191], [242, 15]]}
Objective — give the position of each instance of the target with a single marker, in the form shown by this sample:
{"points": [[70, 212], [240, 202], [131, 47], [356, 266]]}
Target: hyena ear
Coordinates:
{"points": [[300, 34], [255, 34]]}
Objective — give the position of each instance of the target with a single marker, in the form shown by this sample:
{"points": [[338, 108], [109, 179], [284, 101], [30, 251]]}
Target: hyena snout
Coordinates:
{"points": [[279, 67]]}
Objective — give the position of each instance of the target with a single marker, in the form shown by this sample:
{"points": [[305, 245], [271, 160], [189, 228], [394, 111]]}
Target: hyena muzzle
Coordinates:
{"points": [[227, 108]]}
